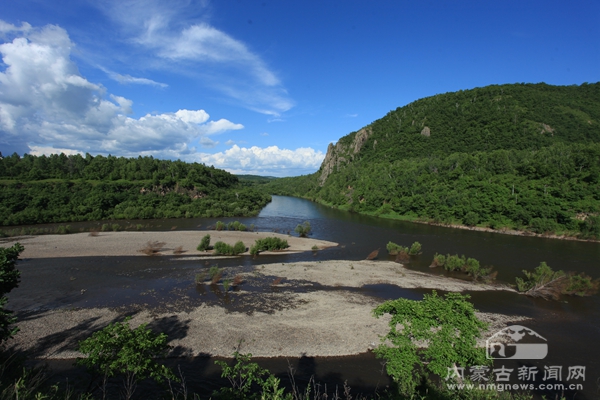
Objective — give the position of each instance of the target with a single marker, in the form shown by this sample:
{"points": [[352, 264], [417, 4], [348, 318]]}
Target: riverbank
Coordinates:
{"points": [[326, 319], [182, 243]]}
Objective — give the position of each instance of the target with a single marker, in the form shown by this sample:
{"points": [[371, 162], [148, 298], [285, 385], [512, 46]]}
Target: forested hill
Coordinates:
{"points": [[524, 156], [61, 188]]}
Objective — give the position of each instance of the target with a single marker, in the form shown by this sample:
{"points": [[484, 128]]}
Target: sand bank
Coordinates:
{"points": [[313, 323], [131, 243]]}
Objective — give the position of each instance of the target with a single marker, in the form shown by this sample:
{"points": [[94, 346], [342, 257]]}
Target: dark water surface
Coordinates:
{"points": [[571, 326]]}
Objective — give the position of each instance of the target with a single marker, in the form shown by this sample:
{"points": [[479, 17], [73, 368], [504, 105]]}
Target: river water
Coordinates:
{"points": [[570, 326]]}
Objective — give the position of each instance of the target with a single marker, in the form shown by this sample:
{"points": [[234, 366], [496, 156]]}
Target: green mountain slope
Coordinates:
{"points": [[524, 156]]}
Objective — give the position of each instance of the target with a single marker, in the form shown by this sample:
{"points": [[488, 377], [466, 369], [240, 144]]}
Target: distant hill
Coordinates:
{"points": [[522, 156], [61, 188]]}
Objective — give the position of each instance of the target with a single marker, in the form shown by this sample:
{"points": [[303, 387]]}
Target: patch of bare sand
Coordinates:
{"points": [[364, 272], [131, 243], [319, 323]]}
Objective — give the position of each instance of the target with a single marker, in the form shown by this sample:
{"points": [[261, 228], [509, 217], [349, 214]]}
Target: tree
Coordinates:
{"points": [[303, 229], [118, 349], [9, 279], [429, 337]]}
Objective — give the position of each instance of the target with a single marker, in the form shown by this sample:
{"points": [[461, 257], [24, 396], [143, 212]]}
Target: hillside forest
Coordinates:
{"points": [[61, 188], [523, 156]]}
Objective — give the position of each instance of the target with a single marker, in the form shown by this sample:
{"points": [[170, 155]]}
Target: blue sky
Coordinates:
{"points": [[262, 87]]}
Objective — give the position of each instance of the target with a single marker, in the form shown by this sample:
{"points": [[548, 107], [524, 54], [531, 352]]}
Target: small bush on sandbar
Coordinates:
{"points": [[270, 244], [220, 226], [204, 243], [222, 248]]}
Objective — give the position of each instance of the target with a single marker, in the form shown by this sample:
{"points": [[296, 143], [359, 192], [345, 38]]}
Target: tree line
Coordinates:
{"points": [[61, 188]]}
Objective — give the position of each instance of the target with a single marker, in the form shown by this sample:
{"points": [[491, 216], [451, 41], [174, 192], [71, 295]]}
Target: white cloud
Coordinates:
{"points": [[271, 160], [230, 142], [46, 104], [264, 134], [220, 126], [174, 33], [127, 79]]}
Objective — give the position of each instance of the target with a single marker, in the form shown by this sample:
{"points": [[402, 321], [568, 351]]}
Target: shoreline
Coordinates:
{"points": [[125, 243], [328, 318]]}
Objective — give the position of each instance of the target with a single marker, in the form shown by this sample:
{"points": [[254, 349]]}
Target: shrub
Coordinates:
{"points": [[239, 247], [120, 350], [220, 226], [222, 248], [105, 228], [303, 229], [439, 260], [9, 279], [116, 227], [581, 285], [243, 375], [415, 249], [215, 274], [471, 218], [242, 227], [542, 225], [204, 243], [427, 337], [544, 282], [268, 243], [394, 248], [152, 248], [454, 262]]}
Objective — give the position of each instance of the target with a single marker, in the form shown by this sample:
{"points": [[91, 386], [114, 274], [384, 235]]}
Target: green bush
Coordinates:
{"points": [[439, 260], [270, 244], [544, 282], [454, 262], [204, 243], [471, 218], [120, 350], [394, 248], [415, 249], [222, 248], [243, 376], [9, 279], [239, 247], [220, 226], [427, 337], [105, 228], [303, 229]]}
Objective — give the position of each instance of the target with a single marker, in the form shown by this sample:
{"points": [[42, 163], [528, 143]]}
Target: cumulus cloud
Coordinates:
{"points": [[45, 104], [271, 160]]}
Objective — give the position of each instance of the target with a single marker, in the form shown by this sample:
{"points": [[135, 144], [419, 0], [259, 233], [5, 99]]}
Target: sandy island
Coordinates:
{"points": [[131, 243], [311, 323]]}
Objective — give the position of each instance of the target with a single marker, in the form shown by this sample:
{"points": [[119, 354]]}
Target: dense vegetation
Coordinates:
{"points": [[62, 188], [520, 156]]}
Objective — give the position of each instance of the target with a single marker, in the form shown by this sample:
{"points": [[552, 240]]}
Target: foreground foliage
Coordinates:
{"points": [[120, 350], [428, 337], [9, 280]]}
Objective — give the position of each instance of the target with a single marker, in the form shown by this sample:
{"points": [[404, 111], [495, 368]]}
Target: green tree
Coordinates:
{"points": [[429, 337]]}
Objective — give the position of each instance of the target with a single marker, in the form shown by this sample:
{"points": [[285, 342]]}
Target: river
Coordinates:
{"points": [[570, 326]]}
